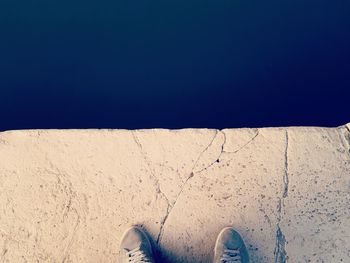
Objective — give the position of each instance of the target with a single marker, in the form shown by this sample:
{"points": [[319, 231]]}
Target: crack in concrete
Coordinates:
{"points": [[154, 178], [206, 148], [70, 243], [171, 207], [217, 160], [285, 177], [348, 129], [162, 223], [158, 188], [280, 247], [251, 140], [280, 252]]}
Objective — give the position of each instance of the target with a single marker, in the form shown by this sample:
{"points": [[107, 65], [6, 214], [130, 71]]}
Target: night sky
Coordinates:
{"points": [[173, 63]]}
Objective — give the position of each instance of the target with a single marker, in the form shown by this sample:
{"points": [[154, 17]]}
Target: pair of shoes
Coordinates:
{"points": [[135, 247]]}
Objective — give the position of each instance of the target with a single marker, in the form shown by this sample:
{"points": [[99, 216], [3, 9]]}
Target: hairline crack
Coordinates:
{"points": [[171, 207], [280, 252]]}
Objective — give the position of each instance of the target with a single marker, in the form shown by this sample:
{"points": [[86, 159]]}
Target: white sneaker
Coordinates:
{"points": [[230, 248], [135, 247]]}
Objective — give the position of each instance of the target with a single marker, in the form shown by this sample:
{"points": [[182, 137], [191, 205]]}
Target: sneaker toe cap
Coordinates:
{"points": [[231, 239], [132, 238]]}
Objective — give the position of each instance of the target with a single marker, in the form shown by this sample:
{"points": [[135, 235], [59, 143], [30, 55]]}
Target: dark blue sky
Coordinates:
{"points": [[173, 64]]}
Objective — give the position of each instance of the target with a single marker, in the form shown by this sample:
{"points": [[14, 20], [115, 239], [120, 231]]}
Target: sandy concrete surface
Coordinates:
{"points": [[68, 195]]}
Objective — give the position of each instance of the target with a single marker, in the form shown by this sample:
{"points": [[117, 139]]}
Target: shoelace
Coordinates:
{"points": [[137, 256], [231, 255]]}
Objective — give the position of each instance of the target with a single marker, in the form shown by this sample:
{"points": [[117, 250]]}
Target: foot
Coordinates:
{"points": [[135, 246], [229, 247]]}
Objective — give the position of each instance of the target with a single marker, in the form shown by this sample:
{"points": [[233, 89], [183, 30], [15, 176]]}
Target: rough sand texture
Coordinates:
{"points": [[68, 195]]}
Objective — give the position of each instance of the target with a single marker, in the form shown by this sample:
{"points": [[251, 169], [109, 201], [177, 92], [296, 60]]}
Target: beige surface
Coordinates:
{"points": [[68, 195]]}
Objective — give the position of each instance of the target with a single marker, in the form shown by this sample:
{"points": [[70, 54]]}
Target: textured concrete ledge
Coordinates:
{"points": [[67, 195]]}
